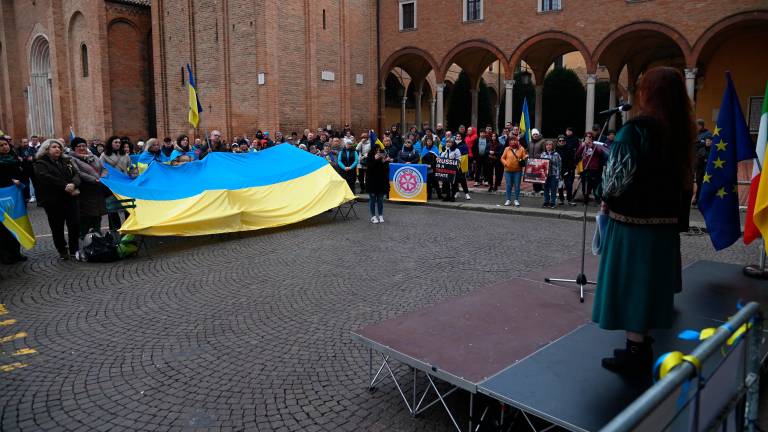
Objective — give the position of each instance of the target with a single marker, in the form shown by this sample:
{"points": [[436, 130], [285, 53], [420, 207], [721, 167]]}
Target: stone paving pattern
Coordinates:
{"points": [[251, 331]]}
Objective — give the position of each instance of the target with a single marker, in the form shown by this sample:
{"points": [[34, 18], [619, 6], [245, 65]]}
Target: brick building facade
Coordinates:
{"points": [[117, 66], [264, 64], [615, 38], [79, 63]]}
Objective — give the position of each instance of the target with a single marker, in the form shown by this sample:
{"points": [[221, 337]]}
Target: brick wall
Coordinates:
{"points": [[118, 65], [236, 40]]}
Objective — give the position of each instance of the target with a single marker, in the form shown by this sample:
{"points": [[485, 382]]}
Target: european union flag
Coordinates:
{"points": [[719, 200]]}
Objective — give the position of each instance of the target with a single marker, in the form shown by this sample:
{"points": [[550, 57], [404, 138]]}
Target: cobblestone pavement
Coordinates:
{"points": [[251, 331]]}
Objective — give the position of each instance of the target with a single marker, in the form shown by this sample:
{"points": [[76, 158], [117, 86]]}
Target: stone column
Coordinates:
{"points": [[418, 109], [403, 127], [539, 105], [690, 82], [473, 118], [630, 100], [382, 109], [508, 86], [612, 103], [590, 117], [440, 104], [432, 105]]}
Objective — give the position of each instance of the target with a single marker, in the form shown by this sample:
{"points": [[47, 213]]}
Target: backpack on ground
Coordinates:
{"points": [[99, 247]]}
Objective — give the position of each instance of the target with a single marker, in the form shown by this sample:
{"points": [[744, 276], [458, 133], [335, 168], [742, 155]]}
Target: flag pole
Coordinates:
{"points": [[758, 271]]}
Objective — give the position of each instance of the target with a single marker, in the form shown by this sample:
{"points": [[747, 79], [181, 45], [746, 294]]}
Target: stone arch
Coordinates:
{"points": [[40, 90], [548, 46], [724, 28], [415, 61], [474, 56], [643, 36]]}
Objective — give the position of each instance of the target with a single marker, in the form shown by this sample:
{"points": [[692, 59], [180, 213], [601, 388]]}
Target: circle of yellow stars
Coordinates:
{"points": [[719, 164]]}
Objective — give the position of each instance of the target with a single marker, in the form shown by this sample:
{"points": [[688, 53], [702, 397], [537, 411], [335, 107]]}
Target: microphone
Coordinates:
{"points": [[620, 108]]}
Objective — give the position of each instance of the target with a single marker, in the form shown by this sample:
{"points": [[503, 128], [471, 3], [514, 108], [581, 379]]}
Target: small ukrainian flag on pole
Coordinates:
{"points": [[195, 108]]}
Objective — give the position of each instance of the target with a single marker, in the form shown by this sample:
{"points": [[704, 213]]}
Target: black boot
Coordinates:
{"points": [[636, 359], [620, 351]]}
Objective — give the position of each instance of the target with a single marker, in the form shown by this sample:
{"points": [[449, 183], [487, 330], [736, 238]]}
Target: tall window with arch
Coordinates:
{"points": [[84, 59]]}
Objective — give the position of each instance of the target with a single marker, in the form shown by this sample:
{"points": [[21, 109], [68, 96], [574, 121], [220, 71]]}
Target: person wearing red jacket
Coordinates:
{"points": [[471, 141], [592, 158]]}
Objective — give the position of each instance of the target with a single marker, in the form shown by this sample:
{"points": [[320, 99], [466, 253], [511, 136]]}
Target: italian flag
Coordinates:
{"points": [[757, 207]]}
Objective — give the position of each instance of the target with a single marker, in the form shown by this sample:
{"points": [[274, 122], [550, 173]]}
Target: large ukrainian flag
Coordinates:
{"points": [[228, 192], [13, 215]]}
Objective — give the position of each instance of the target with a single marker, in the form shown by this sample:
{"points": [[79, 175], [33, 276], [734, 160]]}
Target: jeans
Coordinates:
{"points": [[550, 190], [513, 177], [65, 212], [376, 202], [568, 187], [589, 181]]}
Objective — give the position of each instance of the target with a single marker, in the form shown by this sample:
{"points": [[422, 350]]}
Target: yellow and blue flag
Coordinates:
{"points": [[525, 124], [407, 182], [13, 215], [229, 192], [731, 143], [375, 139], [195, 108]]}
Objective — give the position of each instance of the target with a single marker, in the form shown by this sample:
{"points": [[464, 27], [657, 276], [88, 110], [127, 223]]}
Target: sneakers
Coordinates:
{"points": [[32, 200], [517, 203], [374, 219], [381, 219], [466, 196], [507, 203], [571, 203]]}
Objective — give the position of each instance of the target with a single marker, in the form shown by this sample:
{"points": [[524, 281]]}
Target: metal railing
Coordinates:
{"points": [[676, 380]]}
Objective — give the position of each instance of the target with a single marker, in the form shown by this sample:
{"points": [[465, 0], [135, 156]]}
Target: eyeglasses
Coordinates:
{"points": [[561, 140]]}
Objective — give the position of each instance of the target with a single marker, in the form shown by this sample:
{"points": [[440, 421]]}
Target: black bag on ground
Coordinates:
{"points": [[99, 247]]}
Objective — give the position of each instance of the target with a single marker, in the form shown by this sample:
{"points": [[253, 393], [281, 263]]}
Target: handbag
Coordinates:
{"points": [[520, 162]]}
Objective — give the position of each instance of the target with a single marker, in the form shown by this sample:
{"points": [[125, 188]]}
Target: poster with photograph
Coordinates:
{"points": [[536, 171]]}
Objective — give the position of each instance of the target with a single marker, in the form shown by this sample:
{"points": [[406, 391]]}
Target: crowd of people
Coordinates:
{"points": [[64, 178]]}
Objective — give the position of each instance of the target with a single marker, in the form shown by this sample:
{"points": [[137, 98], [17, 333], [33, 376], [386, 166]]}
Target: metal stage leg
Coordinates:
{"points": [[415, 408], [445, 405], [753, 374]]}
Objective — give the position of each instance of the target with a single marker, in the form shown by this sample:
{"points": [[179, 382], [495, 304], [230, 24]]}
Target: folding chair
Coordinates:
{"points": [[346, 209]]}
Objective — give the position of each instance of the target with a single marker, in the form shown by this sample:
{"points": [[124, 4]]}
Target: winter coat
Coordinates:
{"points": [[592, 157], [408, 155], [363, 148], [377, 176], [10, 169], [92, 192], [555, 163], [511, 158], [471, 140], [52, 177], [120, 162]]}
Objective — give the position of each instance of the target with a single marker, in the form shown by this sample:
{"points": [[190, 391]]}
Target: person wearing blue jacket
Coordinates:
{"points": [[348, 161], [152, 152], [408, 155]]}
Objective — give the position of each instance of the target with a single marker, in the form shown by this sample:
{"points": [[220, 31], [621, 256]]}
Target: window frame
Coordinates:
{"points": [[465, 11], [541, 4], [401, 3], [84, 61]]}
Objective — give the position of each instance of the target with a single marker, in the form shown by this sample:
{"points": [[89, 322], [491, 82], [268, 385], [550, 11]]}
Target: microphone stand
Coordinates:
{"points": [[581, 278]]}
